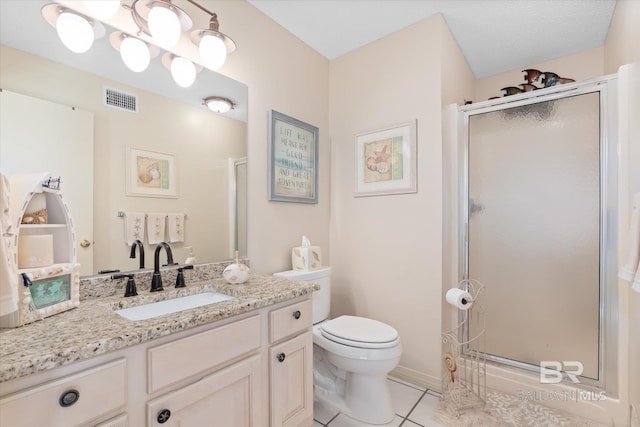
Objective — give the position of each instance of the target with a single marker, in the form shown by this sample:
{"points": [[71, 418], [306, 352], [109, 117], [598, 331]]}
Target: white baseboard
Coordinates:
{"points": [[418, 378]]}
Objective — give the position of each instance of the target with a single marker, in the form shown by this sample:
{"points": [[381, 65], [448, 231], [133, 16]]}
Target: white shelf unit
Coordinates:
{"points": [[23, 189]]}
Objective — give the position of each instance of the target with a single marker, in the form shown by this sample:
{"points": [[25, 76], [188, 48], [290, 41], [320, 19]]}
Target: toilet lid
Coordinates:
{"points": [[360, 332]]}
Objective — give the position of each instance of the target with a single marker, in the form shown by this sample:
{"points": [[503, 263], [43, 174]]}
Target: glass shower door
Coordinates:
{"points": [[534, 226]]}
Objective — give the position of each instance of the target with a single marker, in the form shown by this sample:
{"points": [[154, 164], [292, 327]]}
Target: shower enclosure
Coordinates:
{"points": [[537, 228]]}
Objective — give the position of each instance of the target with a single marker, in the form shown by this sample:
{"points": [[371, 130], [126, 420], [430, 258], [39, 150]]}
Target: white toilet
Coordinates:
{"points": [[352, 356]]}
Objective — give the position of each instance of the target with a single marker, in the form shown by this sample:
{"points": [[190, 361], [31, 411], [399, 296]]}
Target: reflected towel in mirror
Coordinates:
{"points": [[176, 227], [155, 227], [134, 227], [8, 269]]}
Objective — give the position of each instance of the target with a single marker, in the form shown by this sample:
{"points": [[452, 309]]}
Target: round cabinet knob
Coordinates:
{"points": [[296, 314], [85, 243], [69, 397], [164, 415], [281, 357]]}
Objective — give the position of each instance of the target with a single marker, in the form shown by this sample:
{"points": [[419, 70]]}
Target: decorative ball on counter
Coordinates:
{"points": [[236, 273]]}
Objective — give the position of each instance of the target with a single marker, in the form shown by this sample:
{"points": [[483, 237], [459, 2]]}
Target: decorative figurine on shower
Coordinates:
{"points": [[531, 75], [547, 79], [511, 90]]}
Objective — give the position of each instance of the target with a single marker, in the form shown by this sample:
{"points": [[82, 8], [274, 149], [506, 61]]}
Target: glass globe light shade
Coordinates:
{"points": [[135, 54], [75, 32], [213, 52], [183, 71], [102, 9], [218, 105], [164, 26]]}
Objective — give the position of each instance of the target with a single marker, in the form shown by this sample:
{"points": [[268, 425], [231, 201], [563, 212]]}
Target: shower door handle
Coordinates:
{"points": [[475, 208]]}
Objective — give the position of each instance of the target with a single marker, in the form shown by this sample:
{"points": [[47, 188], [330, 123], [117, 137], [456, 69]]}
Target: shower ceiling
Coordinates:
{"points": [[495, 35]]}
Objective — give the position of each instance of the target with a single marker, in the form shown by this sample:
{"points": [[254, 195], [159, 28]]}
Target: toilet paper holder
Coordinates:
{"points": [[464, 368], [465, 294]]}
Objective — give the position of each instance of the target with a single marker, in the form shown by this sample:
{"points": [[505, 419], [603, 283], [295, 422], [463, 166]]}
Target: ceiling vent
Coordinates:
{"points": [[120, 100]]}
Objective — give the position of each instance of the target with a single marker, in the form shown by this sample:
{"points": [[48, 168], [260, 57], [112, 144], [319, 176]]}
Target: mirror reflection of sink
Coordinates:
{"points": [[149, 311]]}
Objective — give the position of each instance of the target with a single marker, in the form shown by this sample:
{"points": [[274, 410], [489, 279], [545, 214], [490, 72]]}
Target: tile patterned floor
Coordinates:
{"points": [[412, 404]]}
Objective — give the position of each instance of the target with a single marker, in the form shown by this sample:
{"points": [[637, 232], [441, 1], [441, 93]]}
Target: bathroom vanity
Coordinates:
{"points": [[242, 362]]}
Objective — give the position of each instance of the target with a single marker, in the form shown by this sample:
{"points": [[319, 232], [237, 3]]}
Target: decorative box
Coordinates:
{"points": [[306, 258]]}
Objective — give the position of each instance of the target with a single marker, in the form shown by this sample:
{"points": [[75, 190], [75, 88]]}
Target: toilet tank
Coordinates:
{"points": [[321, 300]]}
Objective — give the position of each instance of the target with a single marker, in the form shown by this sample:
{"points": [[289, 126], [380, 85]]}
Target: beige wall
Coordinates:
{"points": [[386, 250], [285, 75], [622, 45], [581, 66]]}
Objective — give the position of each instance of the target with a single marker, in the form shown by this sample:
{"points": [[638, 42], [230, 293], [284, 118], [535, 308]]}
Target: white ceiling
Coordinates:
{"points": [[495, 35]]}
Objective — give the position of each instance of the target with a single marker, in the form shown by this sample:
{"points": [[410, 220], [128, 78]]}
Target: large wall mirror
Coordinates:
{"points": [[208, 149]]}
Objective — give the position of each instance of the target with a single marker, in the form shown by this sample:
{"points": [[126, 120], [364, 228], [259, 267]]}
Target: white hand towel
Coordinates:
{"points": [[155, 227], [176, 227], [630, 267], [8, 268], [636, 283], [134, 227]]}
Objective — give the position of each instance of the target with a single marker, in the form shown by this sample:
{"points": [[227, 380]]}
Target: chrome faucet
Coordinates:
{"points": [[156, 280], [140, 246]]}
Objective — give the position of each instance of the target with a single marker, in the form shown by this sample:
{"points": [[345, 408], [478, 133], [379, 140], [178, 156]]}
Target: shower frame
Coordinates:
{"points": [[608, 187]]}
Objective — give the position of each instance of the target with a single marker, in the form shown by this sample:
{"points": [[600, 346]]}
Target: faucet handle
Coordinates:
{"points": [[130, 290], [180, 277]]}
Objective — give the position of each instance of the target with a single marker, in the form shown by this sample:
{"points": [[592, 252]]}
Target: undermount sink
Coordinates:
{"points": [[149, 311]]}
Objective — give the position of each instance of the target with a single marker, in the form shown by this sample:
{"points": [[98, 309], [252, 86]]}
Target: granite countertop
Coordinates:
{"points": [[93, 328]]}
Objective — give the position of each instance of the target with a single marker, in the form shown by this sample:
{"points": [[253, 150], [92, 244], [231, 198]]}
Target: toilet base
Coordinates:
{"points": [[366, 398]]}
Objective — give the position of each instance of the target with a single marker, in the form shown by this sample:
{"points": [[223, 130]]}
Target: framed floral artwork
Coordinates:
{"points": [[150, 174], [386, 161]]}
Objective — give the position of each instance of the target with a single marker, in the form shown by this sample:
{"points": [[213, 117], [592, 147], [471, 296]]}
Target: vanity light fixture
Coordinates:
{"points": [[135, 53], [182, 70], [102, 9], [161, 20], [218, 104], [214, 45], [159, 23], [76, 31]]}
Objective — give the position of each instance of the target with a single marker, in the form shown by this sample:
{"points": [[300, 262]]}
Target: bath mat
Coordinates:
{"points": [[507, 410]]}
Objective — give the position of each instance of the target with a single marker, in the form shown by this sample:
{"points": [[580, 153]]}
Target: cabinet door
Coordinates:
{"points": [[230, 397], [292, 382]]}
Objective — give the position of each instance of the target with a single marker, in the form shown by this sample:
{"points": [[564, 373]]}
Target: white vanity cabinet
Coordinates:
{"points": [[250, 370], [291, 365]]}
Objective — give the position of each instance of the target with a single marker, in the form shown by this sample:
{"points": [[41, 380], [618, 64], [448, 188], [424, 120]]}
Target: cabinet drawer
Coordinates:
{"points": [[178, 360], [121, 420], [289, 320], [100, 390]]}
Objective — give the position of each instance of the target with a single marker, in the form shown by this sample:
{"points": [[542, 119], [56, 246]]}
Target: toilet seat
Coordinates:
{"points": [[360, 332]]}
